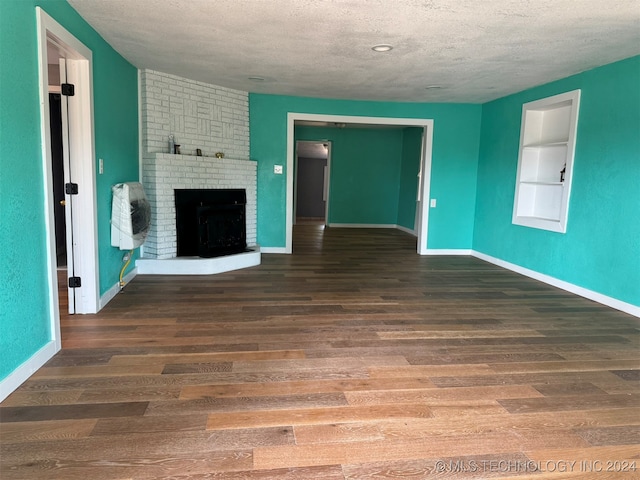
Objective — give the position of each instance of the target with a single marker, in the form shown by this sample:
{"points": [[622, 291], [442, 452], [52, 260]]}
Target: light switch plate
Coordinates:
{"points": [[277, 169], [433, 203]]}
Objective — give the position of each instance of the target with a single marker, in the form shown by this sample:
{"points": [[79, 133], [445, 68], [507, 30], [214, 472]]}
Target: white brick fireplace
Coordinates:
{"points": [[200, 116], [163, 173]]}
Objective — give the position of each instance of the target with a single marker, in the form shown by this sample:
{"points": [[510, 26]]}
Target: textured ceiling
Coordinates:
{"points": [[474, 50]]}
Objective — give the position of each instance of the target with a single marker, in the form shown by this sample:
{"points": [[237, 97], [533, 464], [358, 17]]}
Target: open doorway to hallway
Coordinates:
{"points": [[312, 182], [420, 184]]}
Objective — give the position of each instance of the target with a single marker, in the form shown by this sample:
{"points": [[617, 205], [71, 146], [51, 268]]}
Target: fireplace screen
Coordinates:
{"points": [[210, 222]]}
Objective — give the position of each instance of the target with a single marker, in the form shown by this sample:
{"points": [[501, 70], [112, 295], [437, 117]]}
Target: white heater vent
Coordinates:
{"points": [[130, 216]]}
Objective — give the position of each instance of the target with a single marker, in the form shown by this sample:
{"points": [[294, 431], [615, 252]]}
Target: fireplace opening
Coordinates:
{"points": [[210, 222]]}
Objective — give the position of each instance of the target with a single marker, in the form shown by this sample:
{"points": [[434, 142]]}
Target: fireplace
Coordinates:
{"points": [[210, 222]]}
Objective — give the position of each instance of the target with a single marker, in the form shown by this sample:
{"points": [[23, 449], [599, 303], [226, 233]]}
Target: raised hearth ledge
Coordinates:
{"points": [[198, 265]]}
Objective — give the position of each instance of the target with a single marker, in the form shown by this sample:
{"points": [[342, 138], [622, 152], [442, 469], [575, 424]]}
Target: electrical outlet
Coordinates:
{"points": [[277, 169], [100, 166]]}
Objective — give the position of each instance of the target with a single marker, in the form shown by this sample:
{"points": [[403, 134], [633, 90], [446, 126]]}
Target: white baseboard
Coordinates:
{"points": [[374, 225], [28, 368], [447, 251], [113, 291], [282, 250], [569, 287], [361, 225]]}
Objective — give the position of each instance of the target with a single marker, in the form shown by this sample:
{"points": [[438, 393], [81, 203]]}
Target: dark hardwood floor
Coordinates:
{"points": [[354, 358]]}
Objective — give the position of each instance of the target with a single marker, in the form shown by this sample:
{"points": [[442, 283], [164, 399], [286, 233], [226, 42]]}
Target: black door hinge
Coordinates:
{"points": [[68, 89], [75, 282], [71, 188]]}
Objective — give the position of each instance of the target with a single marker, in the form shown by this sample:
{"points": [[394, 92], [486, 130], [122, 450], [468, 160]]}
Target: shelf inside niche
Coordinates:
{"points": [[557, 184], [548, 124], [546, 145], [540, 201], [543, 165]]}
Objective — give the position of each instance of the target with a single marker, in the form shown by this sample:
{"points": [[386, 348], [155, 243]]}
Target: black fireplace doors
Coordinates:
{"points": [[210, 222]]}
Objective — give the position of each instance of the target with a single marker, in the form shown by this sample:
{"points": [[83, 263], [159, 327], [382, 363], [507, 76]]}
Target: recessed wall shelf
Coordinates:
{"points": [[545, 162]]}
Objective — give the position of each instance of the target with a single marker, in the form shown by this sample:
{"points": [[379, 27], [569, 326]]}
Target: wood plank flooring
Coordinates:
{"points": [[352, 359]]}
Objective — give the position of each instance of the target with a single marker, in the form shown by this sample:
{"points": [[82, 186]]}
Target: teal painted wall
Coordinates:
{"points": [[365, 173], [24, 325], [411, 146], [601, 249], [454, 170], [24, 322]]}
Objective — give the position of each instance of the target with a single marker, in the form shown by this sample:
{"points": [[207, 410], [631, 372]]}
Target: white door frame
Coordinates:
{"points": [[82, 151], [326, 180], [425, 165], [66, 168], [424, 188]]}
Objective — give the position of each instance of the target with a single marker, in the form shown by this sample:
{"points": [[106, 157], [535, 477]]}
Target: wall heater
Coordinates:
{"points": [[130, 216]]}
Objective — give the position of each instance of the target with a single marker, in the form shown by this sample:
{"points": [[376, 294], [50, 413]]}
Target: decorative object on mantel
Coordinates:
{"points": [[176, 149], [172, 144], [219, 154], [198, 152]]}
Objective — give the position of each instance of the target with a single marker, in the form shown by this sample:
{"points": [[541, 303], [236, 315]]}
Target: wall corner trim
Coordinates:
{"points": [[28, 368], [561, 284]]}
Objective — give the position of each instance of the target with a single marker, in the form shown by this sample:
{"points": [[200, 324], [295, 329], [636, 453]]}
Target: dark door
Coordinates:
{"points": [[57, 166]]}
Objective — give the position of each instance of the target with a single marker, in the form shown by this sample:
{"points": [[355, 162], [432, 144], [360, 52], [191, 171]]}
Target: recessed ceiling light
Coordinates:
{"points": [[433, 87], [257, 79], [383, 47]]}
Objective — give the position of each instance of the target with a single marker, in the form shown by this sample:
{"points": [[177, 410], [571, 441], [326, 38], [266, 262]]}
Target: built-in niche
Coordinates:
{"points": [[545, 162]]}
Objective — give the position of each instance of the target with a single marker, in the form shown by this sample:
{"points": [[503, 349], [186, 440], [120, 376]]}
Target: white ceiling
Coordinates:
{"points": [[476, 50]]}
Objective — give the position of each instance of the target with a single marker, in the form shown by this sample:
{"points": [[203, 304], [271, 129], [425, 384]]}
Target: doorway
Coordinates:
{"points": [[424, 177], [311, 186], [73, 138]]}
